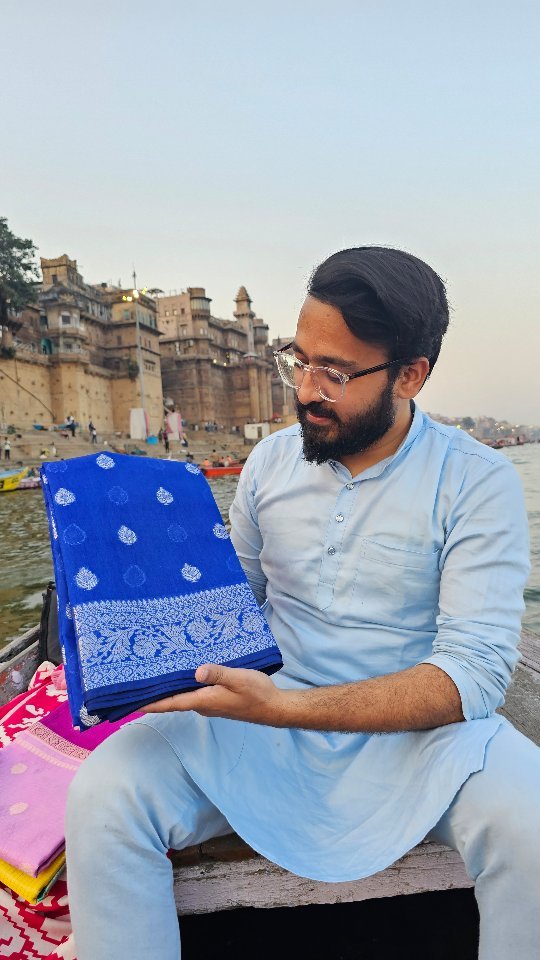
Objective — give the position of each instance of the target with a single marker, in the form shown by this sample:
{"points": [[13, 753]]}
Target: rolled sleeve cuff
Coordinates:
{"points": [[473, 704]]}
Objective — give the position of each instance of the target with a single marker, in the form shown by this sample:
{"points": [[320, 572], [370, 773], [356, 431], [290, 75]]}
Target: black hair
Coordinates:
{"points": [[386, 297]]}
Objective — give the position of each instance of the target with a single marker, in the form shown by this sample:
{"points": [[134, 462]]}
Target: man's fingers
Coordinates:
{"points": [[191, 700], [217, 681], [212, 673]]}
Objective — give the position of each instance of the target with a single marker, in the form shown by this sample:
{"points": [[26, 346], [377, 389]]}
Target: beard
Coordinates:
{"points": [[348, 437]]}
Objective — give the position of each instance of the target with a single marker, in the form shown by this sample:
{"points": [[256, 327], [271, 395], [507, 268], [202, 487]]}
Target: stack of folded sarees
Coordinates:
{"points": [[149, 585], [149, 588], [37, 765]]}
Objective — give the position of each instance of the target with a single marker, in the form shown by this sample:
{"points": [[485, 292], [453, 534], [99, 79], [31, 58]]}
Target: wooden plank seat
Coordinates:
{"points": [[225, 873]]}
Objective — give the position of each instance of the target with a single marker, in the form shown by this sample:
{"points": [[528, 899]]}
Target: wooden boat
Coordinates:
{"points": [[10, 479], [225, 873], [213, 472], [29, 483]]}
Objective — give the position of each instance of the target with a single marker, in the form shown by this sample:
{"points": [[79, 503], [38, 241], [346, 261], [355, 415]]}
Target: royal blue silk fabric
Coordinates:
{"points": [[149, 585]]}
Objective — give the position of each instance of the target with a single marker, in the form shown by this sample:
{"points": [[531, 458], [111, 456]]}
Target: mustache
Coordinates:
{"points": [[318, 409]]}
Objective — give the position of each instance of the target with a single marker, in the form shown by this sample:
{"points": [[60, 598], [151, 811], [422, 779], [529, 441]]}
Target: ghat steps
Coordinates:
{"points": [[27, 446]]}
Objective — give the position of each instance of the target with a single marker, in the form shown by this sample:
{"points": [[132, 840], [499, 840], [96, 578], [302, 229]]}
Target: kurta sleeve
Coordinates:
{"points": [[484, 568], [245, 534]]}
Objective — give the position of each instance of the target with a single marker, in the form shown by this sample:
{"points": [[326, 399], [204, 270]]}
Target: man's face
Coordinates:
{"points": [[367, 410]]}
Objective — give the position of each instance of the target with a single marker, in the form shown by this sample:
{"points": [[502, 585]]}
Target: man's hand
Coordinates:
{"points": [[232, 693]]}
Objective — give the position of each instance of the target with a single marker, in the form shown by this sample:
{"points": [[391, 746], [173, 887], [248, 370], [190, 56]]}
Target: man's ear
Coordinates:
{"points": [[411, 378]]}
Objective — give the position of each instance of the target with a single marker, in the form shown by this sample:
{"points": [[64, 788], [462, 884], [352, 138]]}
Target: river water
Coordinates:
{"points": [[26, 565]]}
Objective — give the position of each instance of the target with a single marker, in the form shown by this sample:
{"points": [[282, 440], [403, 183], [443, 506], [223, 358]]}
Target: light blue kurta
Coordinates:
{"points": [[421, 558]]}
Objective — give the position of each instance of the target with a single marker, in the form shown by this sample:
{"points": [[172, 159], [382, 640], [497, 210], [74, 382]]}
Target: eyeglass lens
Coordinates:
{"points": [[328, 383]]}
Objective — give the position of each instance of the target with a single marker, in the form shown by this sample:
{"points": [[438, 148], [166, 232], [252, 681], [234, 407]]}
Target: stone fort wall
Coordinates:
{"points": [[34, 391]]}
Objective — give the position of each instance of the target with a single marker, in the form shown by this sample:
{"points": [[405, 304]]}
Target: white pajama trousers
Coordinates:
{"points": [[132, 801]]}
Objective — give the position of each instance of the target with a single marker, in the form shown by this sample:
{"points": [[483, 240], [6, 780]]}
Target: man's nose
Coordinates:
{"points": [[308, 389]]}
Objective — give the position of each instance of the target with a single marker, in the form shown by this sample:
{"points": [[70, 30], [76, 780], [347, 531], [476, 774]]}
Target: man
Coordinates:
{"points": [[7, 449], [390, 554]]}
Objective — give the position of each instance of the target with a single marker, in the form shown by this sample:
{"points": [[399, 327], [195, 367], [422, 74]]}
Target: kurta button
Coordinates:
{"points": [[331, 551], [350, 486], [340, 517]]}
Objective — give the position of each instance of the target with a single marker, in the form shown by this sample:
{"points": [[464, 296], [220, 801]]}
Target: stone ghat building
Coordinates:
{"points": [[215, 370], [91, 351], [97, 352]]}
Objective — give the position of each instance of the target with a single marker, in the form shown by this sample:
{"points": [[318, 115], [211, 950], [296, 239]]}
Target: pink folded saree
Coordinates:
{"points": [[36, 769]]}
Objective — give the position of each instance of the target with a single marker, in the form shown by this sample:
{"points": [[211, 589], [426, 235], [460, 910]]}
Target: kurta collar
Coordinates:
{"points": [[377, 469]]}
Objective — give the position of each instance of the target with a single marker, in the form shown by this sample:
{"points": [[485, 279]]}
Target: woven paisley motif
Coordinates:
{"points": [[118, 495], [127, 536], [89, 719], [191, 573], [105, 462], [85, 579], [64, 497], [220, 531], [176, 533], [74, 535], [164, 496], [134, 576]]}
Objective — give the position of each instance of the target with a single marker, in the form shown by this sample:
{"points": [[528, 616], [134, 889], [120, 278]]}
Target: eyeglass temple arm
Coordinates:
{"points": [[380, 366]]}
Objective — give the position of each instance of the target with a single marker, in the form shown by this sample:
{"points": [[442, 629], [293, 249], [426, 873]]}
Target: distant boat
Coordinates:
{"points": [[509, 442], [10, 479], [29, 483], [213, 472]]}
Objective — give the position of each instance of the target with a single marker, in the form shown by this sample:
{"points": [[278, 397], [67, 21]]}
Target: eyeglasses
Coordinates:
{"points": [[330, 383]]}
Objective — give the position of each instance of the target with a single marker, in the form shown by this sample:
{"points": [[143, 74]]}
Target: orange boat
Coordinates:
{"points": [[213, 472]]}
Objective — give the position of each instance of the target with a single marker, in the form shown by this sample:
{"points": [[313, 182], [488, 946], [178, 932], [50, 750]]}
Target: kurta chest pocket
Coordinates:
{"points": [[394, 587]]}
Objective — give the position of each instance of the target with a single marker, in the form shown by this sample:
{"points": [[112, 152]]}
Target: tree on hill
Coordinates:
{"points": [[18, 272]]}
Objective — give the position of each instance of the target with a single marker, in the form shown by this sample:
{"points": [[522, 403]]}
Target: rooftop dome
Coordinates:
{"points": [[242, 295]]}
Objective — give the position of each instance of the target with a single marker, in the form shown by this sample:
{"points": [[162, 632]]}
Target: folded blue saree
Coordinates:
{"points": [[149, 585]]}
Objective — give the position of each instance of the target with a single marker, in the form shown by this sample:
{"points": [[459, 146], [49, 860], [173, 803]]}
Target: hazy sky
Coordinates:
{"points": [[221, 144]]}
